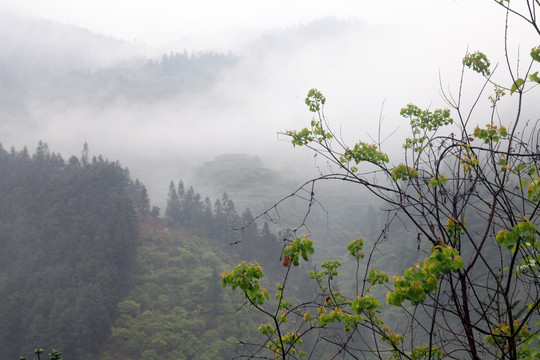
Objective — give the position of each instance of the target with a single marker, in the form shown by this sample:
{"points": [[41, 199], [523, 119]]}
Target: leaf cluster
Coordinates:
{"points": [[420, 281]]}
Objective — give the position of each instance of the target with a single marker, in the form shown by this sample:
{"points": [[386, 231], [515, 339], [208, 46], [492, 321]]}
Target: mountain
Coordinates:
{"points": [[244, 178], [36, 51], [87, 269], [43, 61]]}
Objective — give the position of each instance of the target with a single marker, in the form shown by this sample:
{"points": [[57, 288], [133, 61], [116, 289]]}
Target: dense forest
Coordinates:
{"points": [[68, 239], [87, 267]]}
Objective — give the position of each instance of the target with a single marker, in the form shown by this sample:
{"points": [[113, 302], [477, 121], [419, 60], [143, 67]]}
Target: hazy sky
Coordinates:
{"points": [[395, 56], [160, 22]]}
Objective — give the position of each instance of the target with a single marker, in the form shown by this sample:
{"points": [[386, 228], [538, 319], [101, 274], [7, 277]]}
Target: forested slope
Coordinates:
{"points": [[176, 308], [88, 269], [67, 240]]}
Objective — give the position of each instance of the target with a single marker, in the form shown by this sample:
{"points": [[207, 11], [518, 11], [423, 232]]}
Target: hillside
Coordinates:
{"points": [[68, 245], [88, 269], [84, 257], [244, 178], [43, 62], [340, 214], [176, 308]]}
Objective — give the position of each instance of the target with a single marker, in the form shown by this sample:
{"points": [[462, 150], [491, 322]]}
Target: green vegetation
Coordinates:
{"points": [[68, 250], [476, 293], [175, 308], [88, 268], [53, 355]]}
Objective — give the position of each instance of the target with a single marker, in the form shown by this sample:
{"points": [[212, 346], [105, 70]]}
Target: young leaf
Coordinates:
{"points": [[534, 77], [535, 53], [517, 84]]}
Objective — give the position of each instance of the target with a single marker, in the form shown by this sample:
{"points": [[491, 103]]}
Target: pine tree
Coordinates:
{"points": [[173, 210]]}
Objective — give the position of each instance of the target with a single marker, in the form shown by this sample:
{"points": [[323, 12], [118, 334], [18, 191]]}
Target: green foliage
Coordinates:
{"points": [[314, 100], [53, 355], [329, 270], [517, 85], [454, 229], [319, 134], [480, 64], [534, 77], [425, 119], [363, 152], [425, 352], [533, 182], [478, 61], [535, 53], [299, 247], [355, 248], [291, 341], [498, 93], [302, 137], [365, 304], [420, 281], [403, 172], [522, 237], [68, 250], [306, 136], [523, 232], [422, 122], [350, 321], [437, 181], [502, 331], [247, 277], [176, 308], [337, 308], [475, 293], [376, 277]]}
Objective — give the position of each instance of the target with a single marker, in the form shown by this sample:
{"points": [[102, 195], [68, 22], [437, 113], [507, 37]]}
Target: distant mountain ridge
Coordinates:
{"points": [[244, 178], [42, 57], [58, 45]]}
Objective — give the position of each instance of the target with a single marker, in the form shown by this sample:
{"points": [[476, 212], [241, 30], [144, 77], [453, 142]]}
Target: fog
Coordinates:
{"points": [[365, 65]]}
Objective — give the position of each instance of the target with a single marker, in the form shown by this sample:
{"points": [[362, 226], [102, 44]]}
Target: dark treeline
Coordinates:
{"points": [[220, 221], [139, 78], [68, 233], [196, 63], [175, 73]]}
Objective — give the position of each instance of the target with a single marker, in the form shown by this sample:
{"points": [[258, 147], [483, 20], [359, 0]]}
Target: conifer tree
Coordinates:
{"points": [[173, 210]]}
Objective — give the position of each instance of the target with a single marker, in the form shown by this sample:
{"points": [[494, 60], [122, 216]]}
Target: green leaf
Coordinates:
{"points": [[517, 84], [535, 53]]}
